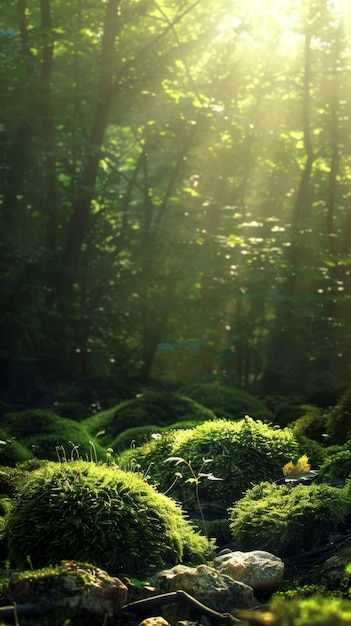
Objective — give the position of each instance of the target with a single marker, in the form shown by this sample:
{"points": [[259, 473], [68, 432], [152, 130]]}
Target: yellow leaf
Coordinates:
{"points": [[301, 466]]}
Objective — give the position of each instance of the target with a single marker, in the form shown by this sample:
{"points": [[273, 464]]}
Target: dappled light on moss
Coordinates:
{"points": [[98, 514]]}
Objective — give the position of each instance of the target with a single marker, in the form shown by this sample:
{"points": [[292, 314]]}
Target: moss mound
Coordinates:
{"points": [[285, 519], [152, 408], [336, 467], [139, 435], [12, 451], [339, 419], [98, 514], [311, 422], [242, 452], [314, 611], [72, 410], [42, 432], [225, 401], [328, 396]]}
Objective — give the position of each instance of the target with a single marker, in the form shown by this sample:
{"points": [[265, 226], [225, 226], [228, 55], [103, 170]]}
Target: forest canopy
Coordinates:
{"points": [[175, 191]]}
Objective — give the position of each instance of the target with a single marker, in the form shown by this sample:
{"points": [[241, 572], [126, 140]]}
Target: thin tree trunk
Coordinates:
{"points": [[79, 222]]}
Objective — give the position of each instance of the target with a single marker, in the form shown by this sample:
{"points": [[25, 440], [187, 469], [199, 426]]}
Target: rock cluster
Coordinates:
{"points": [[225, 585]]}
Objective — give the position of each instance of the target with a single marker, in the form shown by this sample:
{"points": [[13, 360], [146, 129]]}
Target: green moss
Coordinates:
{"points": [[98, 514], [140, 434], [243, 452], [218, 529], [151, 408], [329, 396], [339, 419], [315, 451], [226, 401], [13, 478], [12, 451], [43, 431], [285, 519], [314, 611], [312, 423], [336, 467], [4, 408], [73, 410]]}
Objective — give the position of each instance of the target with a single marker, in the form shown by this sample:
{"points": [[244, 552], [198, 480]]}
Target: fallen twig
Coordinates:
{"points": [[150, 604]]}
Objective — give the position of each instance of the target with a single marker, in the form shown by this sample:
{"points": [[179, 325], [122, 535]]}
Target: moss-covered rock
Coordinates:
{"points": [[284, 519], [151, 408], [243, 452], [42, 432], [226, 401], [112, 518]]}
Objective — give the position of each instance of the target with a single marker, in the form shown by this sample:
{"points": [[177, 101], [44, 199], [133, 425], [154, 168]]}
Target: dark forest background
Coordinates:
{"points": [[175, 193]]}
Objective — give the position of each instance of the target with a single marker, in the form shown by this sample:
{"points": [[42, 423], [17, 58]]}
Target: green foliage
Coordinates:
{"points": [[72, 410], [4, 408], [153, 408], [317, 610], [336, 467], [218, 529], [339, 419], [226, 401], [12, 451], [312, 423], [316, 452], [43, 431], [98, 514], [243, 452], [329, 395], [140, 434], [12, 479], [195, 479], [285, 519], [168, 222]]}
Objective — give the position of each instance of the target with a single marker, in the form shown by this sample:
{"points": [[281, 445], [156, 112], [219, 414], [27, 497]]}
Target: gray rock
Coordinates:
{"points": [[259, 569], [213, 589]]}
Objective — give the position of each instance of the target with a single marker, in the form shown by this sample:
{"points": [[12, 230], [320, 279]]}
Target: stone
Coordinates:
{"points": [[154, 621], [260, 570], [333, 575], [210, 587], [70, 585]]}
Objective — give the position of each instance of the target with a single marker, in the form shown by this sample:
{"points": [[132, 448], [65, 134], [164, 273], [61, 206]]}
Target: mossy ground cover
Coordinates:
{"points": [[41, 433], [286, 520], [227, 401], [98, 514], [151, 408], [243, 452]]}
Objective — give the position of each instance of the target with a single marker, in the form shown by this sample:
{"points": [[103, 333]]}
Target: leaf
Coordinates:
{"points": [[177, 459], [302, 466]]}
